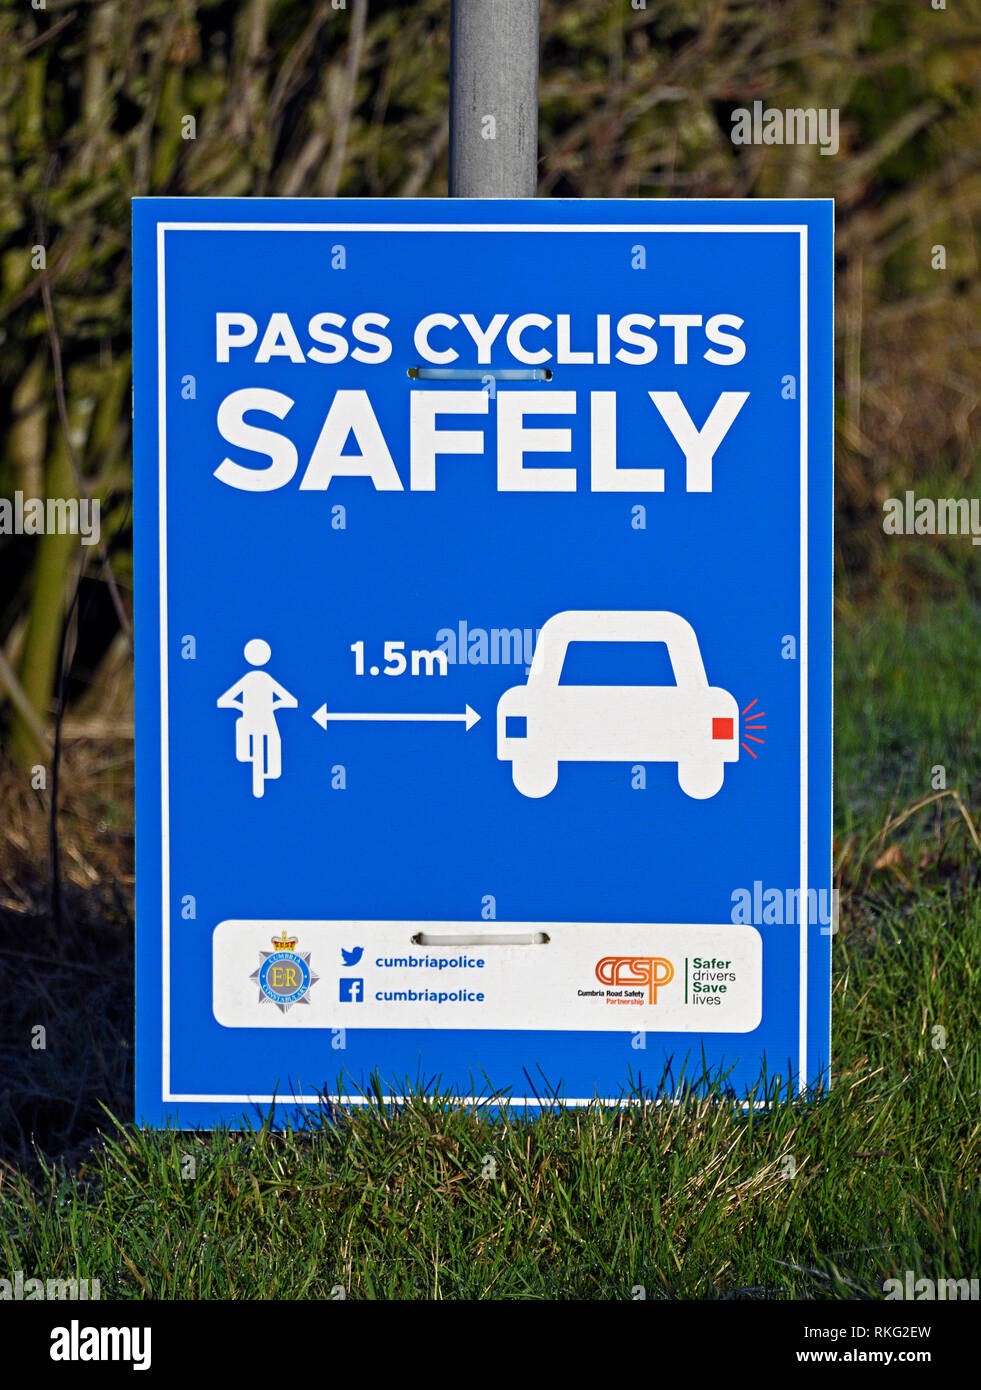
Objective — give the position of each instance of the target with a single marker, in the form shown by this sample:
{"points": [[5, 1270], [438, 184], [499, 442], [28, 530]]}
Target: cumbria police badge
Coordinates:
{"points": [[284, 976]]}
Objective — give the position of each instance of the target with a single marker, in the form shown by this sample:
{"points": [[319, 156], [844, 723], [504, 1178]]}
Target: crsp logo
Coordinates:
{"points": [[75, 1343], [652, 971]]}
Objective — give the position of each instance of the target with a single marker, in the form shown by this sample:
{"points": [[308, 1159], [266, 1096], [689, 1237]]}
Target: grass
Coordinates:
{"points": [[815, 1200]]}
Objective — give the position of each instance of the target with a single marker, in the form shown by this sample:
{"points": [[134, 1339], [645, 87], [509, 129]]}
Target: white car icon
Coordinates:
{"points": [[544, 722]]}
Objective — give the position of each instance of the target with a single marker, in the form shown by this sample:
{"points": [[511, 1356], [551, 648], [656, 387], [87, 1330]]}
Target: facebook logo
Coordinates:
{"points": [[352, 991]]}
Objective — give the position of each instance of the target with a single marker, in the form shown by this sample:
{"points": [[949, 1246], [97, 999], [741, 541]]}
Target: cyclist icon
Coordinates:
{"points": [[257, 697]]}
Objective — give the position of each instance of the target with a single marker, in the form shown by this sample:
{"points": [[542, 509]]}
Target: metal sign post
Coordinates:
{"points": [[494, 99]]}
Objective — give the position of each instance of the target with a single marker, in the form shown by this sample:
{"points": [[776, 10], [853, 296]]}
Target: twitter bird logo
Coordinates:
{"points": [[352, 957]]}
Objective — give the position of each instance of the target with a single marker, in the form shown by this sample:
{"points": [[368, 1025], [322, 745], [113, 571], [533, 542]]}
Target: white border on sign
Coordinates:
{"points": [[163, 227]]}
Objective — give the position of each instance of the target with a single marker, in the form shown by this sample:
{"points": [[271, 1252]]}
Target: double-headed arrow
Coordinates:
{"points": [[469, 717]]}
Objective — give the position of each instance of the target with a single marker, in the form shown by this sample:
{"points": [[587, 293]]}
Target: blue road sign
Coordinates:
{"points": [[483, 587]]}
